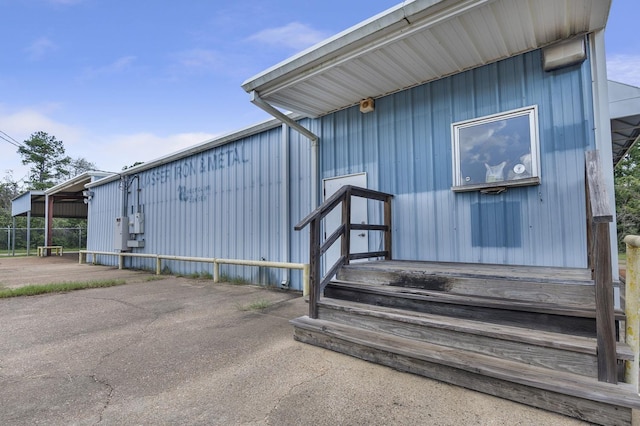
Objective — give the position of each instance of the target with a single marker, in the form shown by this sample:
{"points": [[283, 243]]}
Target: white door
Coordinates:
{"points": [[359, 239]]}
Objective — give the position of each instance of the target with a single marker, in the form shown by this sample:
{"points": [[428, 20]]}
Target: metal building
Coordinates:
{"points": [[234, 197], [474, 115]]}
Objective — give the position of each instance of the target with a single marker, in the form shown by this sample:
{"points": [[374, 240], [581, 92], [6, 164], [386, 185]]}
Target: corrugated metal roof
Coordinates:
{"points": [[416, 42], [624, 107]]}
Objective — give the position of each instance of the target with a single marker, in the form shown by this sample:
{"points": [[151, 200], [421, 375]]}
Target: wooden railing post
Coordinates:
{"points": [[605, 318], [599, 215], [387, 224], [314, 268], [345, 247], [317, 247]]}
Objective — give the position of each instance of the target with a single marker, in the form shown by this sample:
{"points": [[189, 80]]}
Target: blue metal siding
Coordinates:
{"points": [[226, 202], [21, 204], [104, 207], [404, 146]]}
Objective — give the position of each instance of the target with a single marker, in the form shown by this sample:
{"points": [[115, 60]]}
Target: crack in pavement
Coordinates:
{"points": [[109, 396], [291, 389]]}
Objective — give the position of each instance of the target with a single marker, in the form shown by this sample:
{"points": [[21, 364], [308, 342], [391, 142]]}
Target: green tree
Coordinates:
{"points": [[9, 189], [46, 157], [77, 166], [137, 163], [627, 188]]}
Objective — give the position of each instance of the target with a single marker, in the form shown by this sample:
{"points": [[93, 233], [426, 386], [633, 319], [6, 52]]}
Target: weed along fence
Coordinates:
{"points": [[304, 267], [22, 240]]}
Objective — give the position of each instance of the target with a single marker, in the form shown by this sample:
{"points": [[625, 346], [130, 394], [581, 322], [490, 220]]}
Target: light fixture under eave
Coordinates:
{"points": [[367, 105], [564, 54]]}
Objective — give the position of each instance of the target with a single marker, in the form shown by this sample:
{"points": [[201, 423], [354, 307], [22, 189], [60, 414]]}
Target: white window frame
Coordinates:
{"points": [[532, 176]]}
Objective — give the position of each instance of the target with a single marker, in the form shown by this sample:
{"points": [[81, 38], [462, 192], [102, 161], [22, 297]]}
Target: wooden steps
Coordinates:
{"points": [[543, 316], [566, 393], [523, 333], [576, 354], [563, 286]]}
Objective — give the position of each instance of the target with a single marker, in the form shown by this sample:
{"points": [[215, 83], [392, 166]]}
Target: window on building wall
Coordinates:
{"points": [[496, 151]]}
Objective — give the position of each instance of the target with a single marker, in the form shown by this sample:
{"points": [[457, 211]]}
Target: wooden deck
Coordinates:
{"points": [[521, 333]]}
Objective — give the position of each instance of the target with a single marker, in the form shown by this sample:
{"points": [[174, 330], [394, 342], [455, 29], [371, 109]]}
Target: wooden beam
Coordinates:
{"points": [[605, 319]]}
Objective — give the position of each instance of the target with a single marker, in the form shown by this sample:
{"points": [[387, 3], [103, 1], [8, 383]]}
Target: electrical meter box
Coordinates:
{"points": [[121, 235], [136, 223]]}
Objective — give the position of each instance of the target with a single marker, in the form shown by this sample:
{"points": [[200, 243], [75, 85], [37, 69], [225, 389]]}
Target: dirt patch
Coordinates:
{"points": [[20, 271]]}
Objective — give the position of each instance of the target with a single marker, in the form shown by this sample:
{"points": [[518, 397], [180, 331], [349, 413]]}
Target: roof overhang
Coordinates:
{"points": [[624, 109], [68, 198], [416, 42]]}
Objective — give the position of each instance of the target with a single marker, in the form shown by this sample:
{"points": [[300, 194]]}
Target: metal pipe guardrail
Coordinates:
{"points": [[304, 267], [632, 306]]}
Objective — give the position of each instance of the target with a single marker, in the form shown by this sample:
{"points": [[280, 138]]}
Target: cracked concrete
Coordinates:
{"points": [[178, 351], [108, 398]]}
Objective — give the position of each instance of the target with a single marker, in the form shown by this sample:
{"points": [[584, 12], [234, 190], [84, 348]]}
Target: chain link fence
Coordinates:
{"points": [[14, 240]]}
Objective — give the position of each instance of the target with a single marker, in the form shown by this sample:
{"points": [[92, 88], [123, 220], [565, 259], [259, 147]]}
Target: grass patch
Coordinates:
{"points": [[154, 278], [622, 256], [233, 280], [258, 305], [34, 290], [204, 275]]}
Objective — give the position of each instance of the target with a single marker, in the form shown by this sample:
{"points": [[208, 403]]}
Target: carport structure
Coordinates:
{"points": [[624, 108], [65, 200]]}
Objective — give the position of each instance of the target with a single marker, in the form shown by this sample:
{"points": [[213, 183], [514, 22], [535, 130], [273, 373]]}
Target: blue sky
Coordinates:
{"points": [[120, 81]]}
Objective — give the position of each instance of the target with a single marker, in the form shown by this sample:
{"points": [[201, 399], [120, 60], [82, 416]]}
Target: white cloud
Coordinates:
{"points": [[40, 47], [198, 60], [109, 152], [624, 69], [118, 66], [293, 35], [112, 152], [21, 124]]}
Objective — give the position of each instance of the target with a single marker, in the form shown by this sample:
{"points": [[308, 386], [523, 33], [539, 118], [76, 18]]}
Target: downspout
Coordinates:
{"points": [[271, 110], [602, 124], [288, 121]]}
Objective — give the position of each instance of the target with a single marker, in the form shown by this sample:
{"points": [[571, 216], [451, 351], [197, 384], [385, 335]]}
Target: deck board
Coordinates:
{"points": [[565, 286], [484, 269], [563, 392]]}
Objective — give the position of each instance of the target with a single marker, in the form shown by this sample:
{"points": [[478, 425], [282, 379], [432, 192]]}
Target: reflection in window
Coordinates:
{"points": [[498, 150]]}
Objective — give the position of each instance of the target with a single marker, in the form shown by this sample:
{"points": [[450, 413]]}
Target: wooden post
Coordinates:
{"points": [[158, 265], [216, 272], [345, 248], [387, 223], [599, 215], [314, 268], [605, 319]]}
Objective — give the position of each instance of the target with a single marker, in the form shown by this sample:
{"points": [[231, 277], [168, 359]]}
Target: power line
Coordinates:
{"points": [[13, 139], [17, 145]]}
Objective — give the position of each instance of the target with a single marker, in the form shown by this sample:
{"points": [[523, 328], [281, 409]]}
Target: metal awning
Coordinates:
{"points": [[69, 200], [416, 42], [624, 109]]}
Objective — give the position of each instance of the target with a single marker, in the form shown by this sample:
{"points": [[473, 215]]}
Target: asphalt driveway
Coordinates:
{"points": [[183, 351]]}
